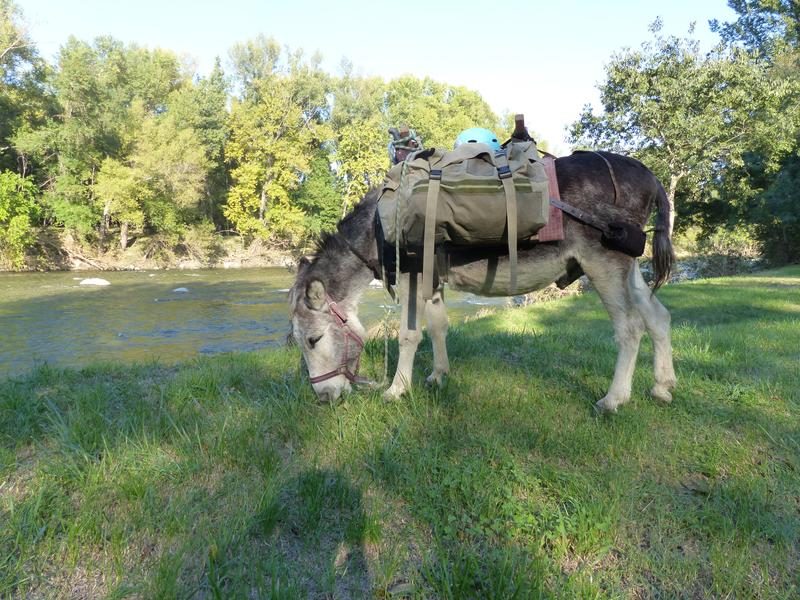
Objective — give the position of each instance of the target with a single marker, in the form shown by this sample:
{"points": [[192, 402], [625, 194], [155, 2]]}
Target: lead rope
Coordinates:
{"points": [[395, 298], [387, 311]]}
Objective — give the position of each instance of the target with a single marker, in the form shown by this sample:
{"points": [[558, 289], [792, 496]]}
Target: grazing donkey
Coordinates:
{"points": [[325, 296]]}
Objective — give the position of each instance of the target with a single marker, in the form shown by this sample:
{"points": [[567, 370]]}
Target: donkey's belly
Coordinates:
{"points": [[491, 276]]}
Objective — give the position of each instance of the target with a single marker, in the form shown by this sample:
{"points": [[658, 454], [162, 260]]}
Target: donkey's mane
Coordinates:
{"points": [[332, 243]]}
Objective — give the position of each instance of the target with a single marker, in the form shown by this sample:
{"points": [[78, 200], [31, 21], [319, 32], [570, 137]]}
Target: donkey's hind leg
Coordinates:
{"points": [[657, 320], [608, 275], [436, 320]]}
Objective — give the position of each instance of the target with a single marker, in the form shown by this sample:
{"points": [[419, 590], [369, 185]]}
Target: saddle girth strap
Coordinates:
{"points": [[429, 238], [504, 172]]}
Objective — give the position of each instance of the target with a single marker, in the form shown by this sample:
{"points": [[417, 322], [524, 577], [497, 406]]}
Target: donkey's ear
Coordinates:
{"points": [[315, 294], [302, 265]]}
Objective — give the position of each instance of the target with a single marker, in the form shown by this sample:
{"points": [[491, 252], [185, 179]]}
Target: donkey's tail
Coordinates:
{"points": [[663, 254]]}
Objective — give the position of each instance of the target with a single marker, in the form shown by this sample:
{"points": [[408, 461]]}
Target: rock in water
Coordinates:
{"points": [[94, 281]]}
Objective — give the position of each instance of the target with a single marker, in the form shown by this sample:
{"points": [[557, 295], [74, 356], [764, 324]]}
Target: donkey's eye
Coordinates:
{"points": [[312, 341]]}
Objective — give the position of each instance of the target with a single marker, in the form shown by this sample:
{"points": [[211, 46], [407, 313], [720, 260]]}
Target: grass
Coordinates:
{"points": [[224, 478]]}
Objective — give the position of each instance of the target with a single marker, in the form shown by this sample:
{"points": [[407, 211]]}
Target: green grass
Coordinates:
{"points": [[224, 478]]}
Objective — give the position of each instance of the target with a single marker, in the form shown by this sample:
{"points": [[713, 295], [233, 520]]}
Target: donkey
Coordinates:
{"points": [[325, 296]]}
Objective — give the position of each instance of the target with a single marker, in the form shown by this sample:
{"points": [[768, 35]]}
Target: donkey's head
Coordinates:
{"points": [[328, 333]]}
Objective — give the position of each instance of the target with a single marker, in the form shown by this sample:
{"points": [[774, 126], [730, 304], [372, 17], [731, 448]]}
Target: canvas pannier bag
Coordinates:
{"points": [[470, 196]]}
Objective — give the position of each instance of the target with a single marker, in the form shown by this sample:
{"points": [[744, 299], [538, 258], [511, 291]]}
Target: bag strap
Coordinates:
{"points": [[430, 233], [504, 172]]}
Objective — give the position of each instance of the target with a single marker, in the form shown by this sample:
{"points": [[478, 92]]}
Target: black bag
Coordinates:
{"points": [[624, 237]]}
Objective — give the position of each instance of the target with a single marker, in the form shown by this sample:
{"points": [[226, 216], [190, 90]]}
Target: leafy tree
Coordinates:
{"points": [[18, 212], [769, 27], [159, 185], [104, 92], [689, 116], [360, 135], [203, 108], [437, 111], [365, 108], [318, 197], [119, 189], [276, 128], [771, 30], [22, 95]]}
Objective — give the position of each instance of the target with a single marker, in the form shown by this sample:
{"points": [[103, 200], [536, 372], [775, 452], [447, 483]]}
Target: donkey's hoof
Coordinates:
{"points": [[392, 394], [435, 379], [661, 393], [605, 406]]}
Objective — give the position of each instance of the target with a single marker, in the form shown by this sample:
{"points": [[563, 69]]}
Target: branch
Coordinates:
{"points": [[15, 45]]}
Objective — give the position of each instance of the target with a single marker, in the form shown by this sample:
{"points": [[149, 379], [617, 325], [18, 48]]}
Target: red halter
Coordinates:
{"points": [[349, 334]]}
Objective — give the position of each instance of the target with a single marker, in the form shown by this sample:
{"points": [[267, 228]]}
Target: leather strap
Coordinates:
{"points": [[579, 214], [613, 177], [504, 172], [430, 233]]}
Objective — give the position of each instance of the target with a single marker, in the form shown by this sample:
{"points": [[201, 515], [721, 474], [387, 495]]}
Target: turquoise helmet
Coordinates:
{"points": [[478, 135]]}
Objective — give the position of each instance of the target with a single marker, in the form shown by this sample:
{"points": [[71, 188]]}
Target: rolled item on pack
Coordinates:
{"points": [[470, 196]]}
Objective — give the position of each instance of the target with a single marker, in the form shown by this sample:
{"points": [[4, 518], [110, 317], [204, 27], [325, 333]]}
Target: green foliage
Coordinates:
{"points": [[693, 118], [438, 112], [765, 196], [769, 27], [18, 213], [118, 137], [22, 72], [362, 157], [276, 129], [318, 197]]}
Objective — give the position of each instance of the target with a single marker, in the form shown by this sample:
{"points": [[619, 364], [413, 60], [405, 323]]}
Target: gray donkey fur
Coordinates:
{"points": [[334, 280]]}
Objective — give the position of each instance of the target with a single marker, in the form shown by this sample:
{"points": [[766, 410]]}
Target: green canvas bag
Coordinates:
{"points": [[470, 196]]}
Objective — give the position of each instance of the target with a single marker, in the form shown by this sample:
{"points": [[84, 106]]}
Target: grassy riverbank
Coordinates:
{"points": [[223, 477]]}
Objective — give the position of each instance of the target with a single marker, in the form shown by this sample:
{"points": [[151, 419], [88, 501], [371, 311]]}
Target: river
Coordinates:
{"points": [[168, 315]]}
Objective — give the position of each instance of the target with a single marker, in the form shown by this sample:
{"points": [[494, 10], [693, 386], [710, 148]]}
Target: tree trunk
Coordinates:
{"points": [[673, 186], [104, 223], [262, 209], [123, 236]]}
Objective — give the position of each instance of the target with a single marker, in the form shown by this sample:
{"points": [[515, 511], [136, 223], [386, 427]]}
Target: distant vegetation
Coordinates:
{"points": [[116, 143]]}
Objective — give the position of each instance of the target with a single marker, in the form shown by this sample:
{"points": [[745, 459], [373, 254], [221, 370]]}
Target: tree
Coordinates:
{"points": [[119, 189], [436, 111], [22, 97], [104, 92], [277, 126], [771, 30], [768, 27], [691, 117], [159, 185], [18, 212], [203, 108], [318, 196], [360, 133]]}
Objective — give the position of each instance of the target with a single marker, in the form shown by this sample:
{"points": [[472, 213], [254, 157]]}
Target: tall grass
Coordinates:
{"points": [[224, 478]]}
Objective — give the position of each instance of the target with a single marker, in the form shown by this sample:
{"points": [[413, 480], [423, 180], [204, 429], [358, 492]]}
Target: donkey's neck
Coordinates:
{"points": [[349, 258]]}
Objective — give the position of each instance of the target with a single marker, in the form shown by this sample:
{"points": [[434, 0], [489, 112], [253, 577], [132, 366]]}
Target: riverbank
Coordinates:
{"points": [[59, 250], [223, 477]]}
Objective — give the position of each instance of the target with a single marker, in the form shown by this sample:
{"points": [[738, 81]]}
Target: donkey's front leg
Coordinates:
{"points": [[410, 333], [436, 321]]}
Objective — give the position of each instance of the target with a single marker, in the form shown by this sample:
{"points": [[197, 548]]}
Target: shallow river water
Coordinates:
{"points": [[167, 315]]}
